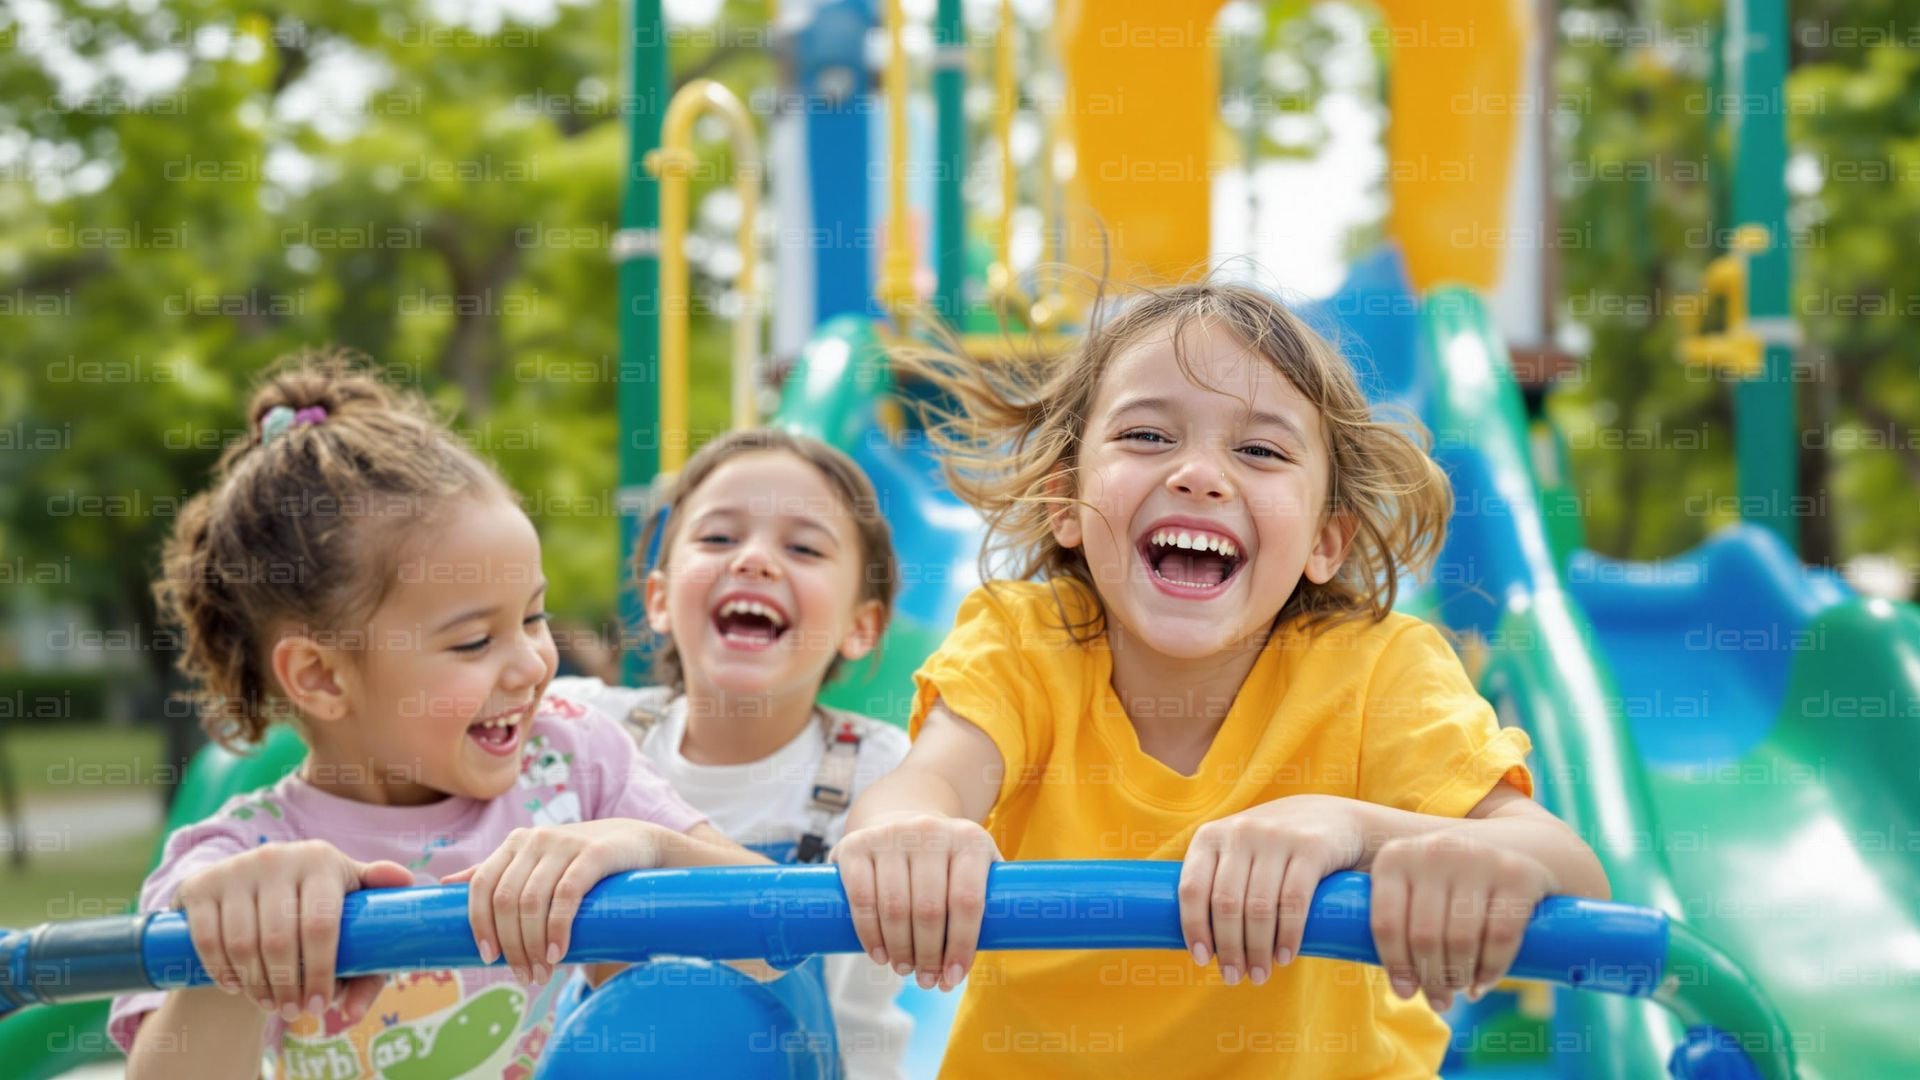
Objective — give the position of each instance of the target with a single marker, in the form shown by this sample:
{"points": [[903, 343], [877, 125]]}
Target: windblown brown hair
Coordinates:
{"points": [[879, 569], [1004, 431], [303, 531]]}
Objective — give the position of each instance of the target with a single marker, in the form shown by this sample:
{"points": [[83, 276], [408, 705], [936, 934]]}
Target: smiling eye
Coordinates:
{"points": [[472, 647], [1265, 452], [1144, 435], [534, 619], [807, 550], [715, 538]]}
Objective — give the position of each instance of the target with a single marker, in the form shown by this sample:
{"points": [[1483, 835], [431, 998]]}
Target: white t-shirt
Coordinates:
{"points": [[764, 805]]}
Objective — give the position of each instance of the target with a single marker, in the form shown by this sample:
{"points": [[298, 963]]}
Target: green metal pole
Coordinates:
{"points": [[949, 88], [636, 250], [1767, 420]]}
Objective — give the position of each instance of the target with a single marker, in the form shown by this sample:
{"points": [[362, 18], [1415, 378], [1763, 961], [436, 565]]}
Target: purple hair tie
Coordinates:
{"points": [[279, 420]]}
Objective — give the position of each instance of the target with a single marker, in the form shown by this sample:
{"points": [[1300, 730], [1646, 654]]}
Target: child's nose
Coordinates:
{"points": [[527, 668], [1196, 476], [753, 560]]}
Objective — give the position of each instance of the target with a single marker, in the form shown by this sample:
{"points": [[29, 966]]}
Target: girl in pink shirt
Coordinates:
{"points": [[357, 573]]}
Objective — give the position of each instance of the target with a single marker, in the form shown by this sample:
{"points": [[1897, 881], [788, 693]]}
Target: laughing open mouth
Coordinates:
{"points": [[749, 622], [1189, 559], [499, 734]]}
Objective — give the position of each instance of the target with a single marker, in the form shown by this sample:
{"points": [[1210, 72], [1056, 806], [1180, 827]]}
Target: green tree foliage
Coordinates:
{"points": [[1858, 170], [192, 188], [1636, 175], [1643, 179]]}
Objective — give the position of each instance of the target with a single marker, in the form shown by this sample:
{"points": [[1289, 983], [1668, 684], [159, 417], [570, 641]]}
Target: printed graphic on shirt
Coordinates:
{"points": [[425, 1026], [545, 769], [426, 852]]}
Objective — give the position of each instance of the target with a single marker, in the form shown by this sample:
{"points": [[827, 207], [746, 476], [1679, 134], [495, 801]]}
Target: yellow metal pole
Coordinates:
{"points": [[896, 270], [1000, 275], [1003, 287], [673, 163], [1050, 304], [1003, 122]]}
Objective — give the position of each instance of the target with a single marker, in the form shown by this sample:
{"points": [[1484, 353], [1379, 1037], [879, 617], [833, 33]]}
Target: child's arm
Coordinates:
{"points": [[1451, 897], [953, 770], [1506, 819], [914, 859], [195, 1033], [704, 845]]}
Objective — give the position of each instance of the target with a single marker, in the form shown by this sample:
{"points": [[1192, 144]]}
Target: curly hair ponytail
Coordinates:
{"points": [[300, 525]]}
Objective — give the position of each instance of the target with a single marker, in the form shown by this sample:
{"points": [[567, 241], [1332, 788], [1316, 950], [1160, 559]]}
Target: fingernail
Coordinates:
{"points": [[1402, 987], [316, 1006], [1282, 958], [487, 952], [1479, 991], [1231, 974], [553, 952], [924, 980], [1258, 976], [878, 956], [289, 1012], [1200, 954], [955, 973], [903, 969]]}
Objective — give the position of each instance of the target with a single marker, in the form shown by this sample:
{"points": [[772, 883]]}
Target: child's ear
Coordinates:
{"points": [[1062, 517], [1330, 547], [869, 622], [656, 603], [309, 677]]}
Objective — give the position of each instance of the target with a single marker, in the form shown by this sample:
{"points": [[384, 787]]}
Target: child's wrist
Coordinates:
{"points": [[1360, 829], [906, 814]]}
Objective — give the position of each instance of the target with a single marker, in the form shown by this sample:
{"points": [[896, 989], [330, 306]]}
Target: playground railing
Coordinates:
{"points": [[786, 914]]}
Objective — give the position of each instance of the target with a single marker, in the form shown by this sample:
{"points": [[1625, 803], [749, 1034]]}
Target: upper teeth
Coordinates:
{"points": [[500, 721], [753, 607], [1196, 541]]}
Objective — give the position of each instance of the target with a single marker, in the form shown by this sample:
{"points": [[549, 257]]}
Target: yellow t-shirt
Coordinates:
{"points": [[1376, 711]]}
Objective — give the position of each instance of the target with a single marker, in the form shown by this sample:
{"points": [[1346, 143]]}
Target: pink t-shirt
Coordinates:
{"points": [[577, 765]]}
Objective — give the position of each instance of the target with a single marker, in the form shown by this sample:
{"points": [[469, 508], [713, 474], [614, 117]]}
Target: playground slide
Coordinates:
{"points": [[841, 392], [1738, 736]]}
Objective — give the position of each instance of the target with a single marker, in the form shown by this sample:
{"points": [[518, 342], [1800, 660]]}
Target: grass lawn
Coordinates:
{"points": [[71, 766], [71, 760], [100, 879]]}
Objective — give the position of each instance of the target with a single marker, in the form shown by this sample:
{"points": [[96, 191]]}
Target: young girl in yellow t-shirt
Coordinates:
{"points": [[1199, 661]]}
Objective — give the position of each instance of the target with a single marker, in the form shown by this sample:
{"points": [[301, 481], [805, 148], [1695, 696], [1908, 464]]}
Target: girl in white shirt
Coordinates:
{"points": [[774, 567]]}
